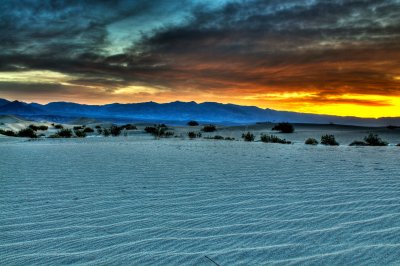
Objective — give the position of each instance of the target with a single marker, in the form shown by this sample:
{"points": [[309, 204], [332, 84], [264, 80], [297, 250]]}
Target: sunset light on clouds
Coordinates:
{"points": [[314, 56]]}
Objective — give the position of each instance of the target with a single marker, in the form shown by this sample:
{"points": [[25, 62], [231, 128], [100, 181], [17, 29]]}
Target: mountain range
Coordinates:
{"points": [[176, 112]]}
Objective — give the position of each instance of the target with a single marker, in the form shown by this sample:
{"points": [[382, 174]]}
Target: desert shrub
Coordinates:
{"points": [[192, 123], [43, 128], [358, 143], [80, 133], [115, 131], [58, 126], [229, 138], [209, 128], [27, 133], [374, 140], [391, 127], [129, 127], [150, 130], [398, 145], [88, 130], [158, 130], [311, 141], [8, 133], [218, 137], [248, 136], [169, 134], [284, 127], [193, 135], [106, 132], [33, 127], [78, 128], [273, 139], [97, 127], [329, 140], [64, 133]]}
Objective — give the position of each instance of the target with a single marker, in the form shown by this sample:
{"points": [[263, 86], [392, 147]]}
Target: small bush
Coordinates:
{"points": [[218, 137], [8, 133], [248, 136], [97, 127], [193, 135], [58, 126], [192, 123], [329, 140], [78, 128], [64, 133], [311, 141], [129, 127], [33, 127], [88, 130], [284, 127], [43, 128], [27, 133], [169, 134], [374, 140], [273, 139], [358, 143], [115, 131], [159, 131], [209, 128], [398, 145], [106, 132], [229, 138], [80, 133]]}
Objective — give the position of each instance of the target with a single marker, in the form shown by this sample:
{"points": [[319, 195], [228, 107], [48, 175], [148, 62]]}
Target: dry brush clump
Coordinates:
{"points": [[248, 136], [311, 141], [209, 128], [193, 135], [192, 123], [370, 140], [329, 140], [36, 128], [8, 133], [273, 139], [159, 131], [284, 127]]}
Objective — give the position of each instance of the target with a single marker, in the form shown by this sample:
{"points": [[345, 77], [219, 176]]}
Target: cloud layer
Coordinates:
{"points": [[292, 55]]}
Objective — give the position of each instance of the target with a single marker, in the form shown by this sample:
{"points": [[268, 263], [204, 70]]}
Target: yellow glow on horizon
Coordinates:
{"points": [[136, 89], [34, 76]]}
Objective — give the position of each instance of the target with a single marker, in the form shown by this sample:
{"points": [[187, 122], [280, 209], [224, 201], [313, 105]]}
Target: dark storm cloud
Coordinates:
{"points": [[329, 48]]}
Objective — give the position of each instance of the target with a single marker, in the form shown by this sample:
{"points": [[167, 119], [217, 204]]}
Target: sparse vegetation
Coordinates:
{"points": [[8, 133], [115, 131], [209, 128], [311, 141], [193, 135], [129, 127], [284, 127], [273, 139], [159, 131], [229, 138], [97, 127], [374, 140], [88, 130], [64, 133], [78, 128], [80, 134], [248, 136], [27, 133], [329, 140], [58, 126], [192, 123], [36, 128], [106, 132]]}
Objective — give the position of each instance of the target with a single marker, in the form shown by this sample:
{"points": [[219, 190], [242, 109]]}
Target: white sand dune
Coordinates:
{"points": [[121, 201]]}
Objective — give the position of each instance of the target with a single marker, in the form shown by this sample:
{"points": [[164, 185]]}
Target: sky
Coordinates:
{"points": [[338, 57]]}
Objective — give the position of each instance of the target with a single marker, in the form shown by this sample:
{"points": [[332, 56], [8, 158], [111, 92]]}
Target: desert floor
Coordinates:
{"points": [[137, 200]]}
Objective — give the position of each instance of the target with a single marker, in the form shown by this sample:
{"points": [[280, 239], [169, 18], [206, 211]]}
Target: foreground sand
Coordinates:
{"points": [[107, 201]]}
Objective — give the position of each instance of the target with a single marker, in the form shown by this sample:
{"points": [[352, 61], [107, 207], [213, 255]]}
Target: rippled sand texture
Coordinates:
{"points": [[149, 202]]}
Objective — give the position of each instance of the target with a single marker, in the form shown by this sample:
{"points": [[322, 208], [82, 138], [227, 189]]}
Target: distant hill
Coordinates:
{"points": [[19, 108], [3, 102], [177, 112]]}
